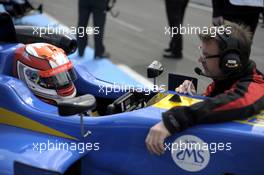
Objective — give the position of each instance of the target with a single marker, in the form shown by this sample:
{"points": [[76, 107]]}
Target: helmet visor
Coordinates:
{"points": [[58, 77], [58, 81]]}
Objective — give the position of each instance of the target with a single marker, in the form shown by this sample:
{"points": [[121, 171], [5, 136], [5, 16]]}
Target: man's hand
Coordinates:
{"points": [[186, 87], [218, 21], [156, 137]]}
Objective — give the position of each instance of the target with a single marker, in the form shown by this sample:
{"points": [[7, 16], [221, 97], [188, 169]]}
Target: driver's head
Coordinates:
{"points": [[46, 70], [225, 53]]}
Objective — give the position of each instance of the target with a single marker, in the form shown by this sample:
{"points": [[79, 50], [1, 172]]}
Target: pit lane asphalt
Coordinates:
{"points": [[137, 36]]}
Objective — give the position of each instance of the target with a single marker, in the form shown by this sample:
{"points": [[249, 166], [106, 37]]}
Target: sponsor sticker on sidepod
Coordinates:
{"points": [[188, 154]]}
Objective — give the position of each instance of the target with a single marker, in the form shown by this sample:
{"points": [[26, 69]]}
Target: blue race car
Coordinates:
{"points": [[42, 139]]}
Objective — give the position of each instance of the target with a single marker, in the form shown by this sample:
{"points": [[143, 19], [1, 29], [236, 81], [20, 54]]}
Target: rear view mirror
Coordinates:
{"points": [[154, 69], [77, 105]]}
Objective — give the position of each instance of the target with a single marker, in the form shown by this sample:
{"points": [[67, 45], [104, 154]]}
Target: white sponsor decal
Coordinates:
{"points": [[189, 155]]}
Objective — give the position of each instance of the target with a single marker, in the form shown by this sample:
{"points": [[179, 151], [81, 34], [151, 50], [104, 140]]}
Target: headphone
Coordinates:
{"points": [[230, 56]]}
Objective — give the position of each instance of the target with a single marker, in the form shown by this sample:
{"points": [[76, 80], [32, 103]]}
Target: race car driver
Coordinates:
{"points": [[237, 90], [46, 70]]}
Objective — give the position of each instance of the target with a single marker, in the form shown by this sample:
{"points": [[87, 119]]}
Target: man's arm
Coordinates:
{"points": [[244, 100]]}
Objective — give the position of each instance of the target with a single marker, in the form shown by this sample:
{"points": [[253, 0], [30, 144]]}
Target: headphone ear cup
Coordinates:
{"points": [[230, 62]]}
